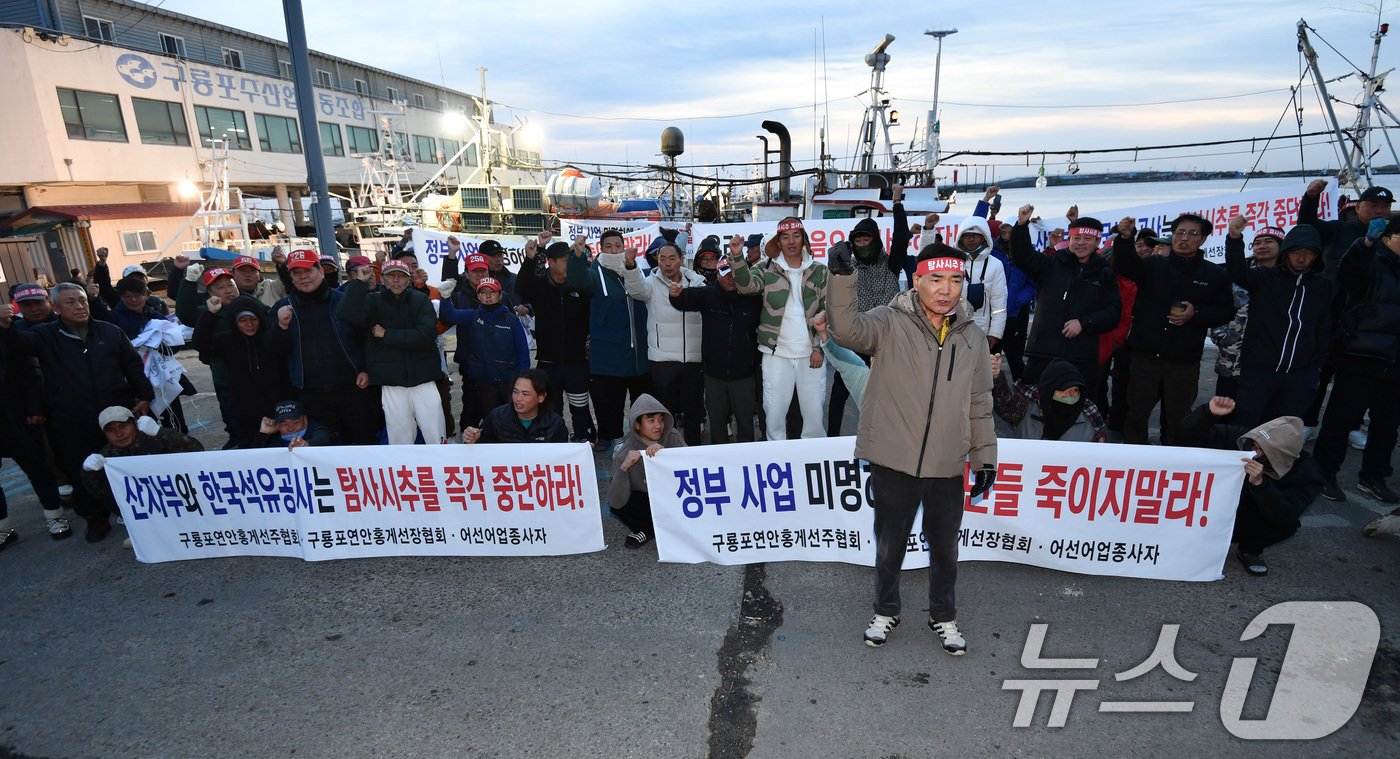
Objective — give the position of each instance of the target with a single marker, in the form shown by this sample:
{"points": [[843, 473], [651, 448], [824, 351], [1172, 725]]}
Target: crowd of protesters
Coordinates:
{"points": [[1082, 336]]}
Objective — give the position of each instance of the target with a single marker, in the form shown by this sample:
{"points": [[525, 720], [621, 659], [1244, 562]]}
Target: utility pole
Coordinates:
{"points": [[934, 127], [310, 130]]}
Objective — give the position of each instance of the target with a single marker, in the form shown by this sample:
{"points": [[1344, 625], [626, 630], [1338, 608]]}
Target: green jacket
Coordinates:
{"points": [[770, 279], [190, 304], [407, 354]]}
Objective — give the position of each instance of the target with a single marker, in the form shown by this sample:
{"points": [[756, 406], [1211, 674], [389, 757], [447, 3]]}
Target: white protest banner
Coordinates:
{"points": [[353, 502], [594, 228], [821, 233], [1119, 510], [430, 245]]}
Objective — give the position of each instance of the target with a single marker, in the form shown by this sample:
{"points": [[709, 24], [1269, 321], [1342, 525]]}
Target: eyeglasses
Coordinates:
{"points": [[1185, 233]]}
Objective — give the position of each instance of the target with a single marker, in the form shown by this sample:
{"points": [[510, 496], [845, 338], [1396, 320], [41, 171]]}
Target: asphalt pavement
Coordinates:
{"points": [[615, 654]]}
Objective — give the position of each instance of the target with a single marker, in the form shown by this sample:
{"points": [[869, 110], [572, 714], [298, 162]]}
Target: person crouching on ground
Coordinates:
{"points": [[290, 426], [1281, 479], [917, 448], [1056, 408], [653, 429], [129, 436], [526, 419]]}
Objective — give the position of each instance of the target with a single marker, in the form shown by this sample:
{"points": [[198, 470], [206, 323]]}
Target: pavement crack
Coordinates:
{"points": [[733, 707]]}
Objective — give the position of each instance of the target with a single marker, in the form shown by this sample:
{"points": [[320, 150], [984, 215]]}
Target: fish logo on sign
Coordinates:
{"points": [[137, 71]]}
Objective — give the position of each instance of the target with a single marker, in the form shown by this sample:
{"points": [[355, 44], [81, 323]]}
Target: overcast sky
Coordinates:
{"points": [[608, 65]]}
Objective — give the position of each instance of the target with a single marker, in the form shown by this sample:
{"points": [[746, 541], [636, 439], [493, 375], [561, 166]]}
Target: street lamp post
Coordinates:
{"points": [[931, 156]]}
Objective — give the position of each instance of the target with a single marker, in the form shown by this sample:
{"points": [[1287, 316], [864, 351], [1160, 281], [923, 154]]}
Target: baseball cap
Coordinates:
{"points": [[246, 261], [328, 261], [491, 248], [213, 274], [555, 251], [114, 414], [1378, 194], [29, 291], [477, 261], [133, 269], [488, 283], [356, 262], [754, 240], [303, 258], [395, 267], [287, 411]]}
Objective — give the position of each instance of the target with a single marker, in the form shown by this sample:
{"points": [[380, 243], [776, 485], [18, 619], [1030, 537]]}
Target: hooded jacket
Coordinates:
{"points": [[671, 335], [1020, 288], [1068, 290], [1292, 479], [1369, 333], [927, 405], [257, 377], [1292, 313], [982, 268], [322, 350], [1337, 236], [728, 333], [770, 278], [617, 324], [1164, 280], [561, 315], [877, 275], [491, 342], [624, 483], [1024, 407]]}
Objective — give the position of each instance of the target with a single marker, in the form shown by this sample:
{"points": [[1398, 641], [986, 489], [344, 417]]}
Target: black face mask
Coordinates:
{"points": [[866, 252], [711, 275]]}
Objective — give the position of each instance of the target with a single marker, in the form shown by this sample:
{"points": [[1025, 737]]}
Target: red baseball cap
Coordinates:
{"points": [[246, 261], [213, 274], [488, 283], [395, 267], [477, 261], [356, 262], [303, 258]]}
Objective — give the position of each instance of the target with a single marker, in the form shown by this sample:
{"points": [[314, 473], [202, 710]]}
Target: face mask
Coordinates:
{"points": [[1068, 401], [293, 436]]}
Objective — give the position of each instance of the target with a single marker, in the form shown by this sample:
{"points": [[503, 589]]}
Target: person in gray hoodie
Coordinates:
{"points": [[652, 429]]}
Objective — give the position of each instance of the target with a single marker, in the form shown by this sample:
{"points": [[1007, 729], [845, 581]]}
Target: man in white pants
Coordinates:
{"points": [[400, 352]]}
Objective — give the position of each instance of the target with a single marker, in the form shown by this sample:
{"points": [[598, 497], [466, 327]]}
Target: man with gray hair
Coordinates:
{"points": [[88, 365]]}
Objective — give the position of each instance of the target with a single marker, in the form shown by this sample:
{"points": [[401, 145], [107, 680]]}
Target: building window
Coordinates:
{"points": [[361, 87], [277, 134], [160, 123], [172, 45], [223, 124], [424, 150], [99, 29], [470, 157], [233, 58], [391, 93], [91, 115], [139, 242], [330, 140], [449, 149], [285, 68], [363, 140], [323, 78], [401, 146], [418, 100], [442, 105]]}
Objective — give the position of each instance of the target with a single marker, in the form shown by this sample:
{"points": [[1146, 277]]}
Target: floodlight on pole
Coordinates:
{"points": [[934, 127]]}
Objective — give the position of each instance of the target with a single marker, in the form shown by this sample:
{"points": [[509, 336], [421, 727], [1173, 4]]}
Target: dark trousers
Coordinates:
{"points": [[71, 448], [1152, 377], [1324, 380], [472, 410], [723, 397], [444, 388], [486, 396], [1352, 395], [25, 447], [1013, 342], [896, 499], [1112, 395], [610, 398], [228, 413], [680, 387], [637, 513], [568, 383], [1227, 387], [1254, 531], [350, 411], [1265, 395]]}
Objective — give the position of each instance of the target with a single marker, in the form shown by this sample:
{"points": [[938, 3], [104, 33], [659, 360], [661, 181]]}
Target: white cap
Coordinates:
{"points": [[133, 269], [114, 414]]}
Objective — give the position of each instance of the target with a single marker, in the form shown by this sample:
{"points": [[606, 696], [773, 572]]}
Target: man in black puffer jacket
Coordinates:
{"points": [[1180, 296], [1368, 363], [401, 353], [561, 331], [1286, 337], [728, 352], [1077, 298]]}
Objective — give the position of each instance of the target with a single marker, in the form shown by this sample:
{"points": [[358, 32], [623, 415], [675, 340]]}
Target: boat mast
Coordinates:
{"points": [[1357, 140]]}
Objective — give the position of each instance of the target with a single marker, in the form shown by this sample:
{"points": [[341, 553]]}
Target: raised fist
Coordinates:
{"points": [[284, 317]]}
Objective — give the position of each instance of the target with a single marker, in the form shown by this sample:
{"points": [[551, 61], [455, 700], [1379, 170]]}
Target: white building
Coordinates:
{"points": [[111, 106]]}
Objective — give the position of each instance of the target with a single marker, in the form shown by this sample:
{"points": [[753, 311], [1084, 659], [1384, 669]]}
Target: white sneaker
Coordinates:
{"points": [[58, 528], [1357, 439], [879, 630], [953, 641], [1386, 525]]}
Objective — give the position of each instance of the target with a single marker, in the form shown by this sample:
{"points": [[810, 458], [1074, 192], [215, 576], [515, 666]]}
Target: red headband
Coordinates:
{"points": [[1085, 231], [931, 265], [790, 224]]}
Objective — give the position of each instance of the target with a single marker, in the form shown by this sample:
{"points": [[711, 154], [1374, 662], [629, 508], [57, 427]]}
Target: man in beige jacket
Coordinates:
{"points": [[927, 410]]}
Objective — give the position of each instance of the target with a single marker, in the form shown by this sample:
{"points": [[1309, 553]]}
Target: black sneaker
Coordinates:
{"points": [[1377, 489], [8, 538], [1332, 491], [1254, 564], [637, 539]]}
